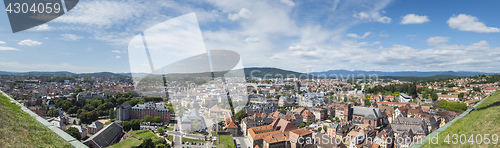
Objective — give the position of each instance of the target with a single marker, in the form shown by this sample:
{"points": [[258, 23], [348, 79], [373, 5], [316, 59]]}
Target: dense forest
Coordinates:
{"points": [[89, 110]]}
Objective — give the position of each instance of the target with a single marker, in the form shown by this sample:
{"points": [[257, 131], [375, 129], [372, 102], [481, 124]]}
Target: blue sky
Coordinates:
{"points": [[305, 36]]}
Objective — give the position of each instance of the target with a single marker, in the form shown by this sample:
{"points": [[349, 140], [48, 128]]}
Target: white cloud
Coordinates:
{"points": [[70, 37], [383, 35], [414, 19], [102, 13], [118, 51], [352, 35], [29, 42], [288, 2], [470, 23], [118, 57], [43, 27], [372, 16], [251, 39], [437, 40], [7, 48], [244, 13]]}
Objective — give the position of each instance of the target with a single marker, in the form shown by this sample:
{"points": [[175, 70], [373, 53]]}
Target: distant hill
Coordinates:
{"points": [[416, 79], [270, 72], [344, 73]]}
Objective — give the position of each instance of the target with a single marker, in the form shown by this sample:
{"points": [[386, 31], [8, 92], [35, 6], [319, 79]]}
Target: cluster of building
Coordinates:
{"points": [[277, 115]]}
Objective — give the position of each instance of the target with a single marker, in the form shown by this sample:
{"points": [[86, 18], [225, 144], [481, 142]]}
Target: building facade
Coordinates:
{"points": [[139, 111], [123, 112]]}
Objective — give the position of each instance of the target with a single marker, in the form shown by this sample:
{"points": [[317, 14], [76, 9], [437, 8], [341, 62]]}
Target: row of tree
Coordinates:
{"points": [[410, 89]]}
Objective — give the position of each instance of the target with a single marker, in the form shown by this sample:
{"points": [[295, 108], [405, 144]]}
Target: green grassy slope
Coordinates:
{"points": [[484, 120], [226, 141], [19, 129]]}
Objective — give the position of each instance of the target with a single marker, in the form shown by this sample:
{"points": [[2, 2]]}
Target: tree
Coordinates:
{"points": [[112, 114], [53, 112], [367, 102], [160, 131], [434, 96], [330, 118], [309, 123], [148, 143], [196, 125], [320, 129], [240, 115], [171, 107], [73, 110], [461, 96], [476, 89], [74, 132], [301, 125], [135, 124], [147, 118], [126, 126], [156, 120], [78, 90]]}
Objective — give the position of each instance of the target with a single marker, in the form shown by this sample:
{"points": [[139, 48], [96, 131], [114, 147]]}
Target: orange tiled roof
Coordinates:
{"points": [[231, 125], [276, 137], [302, 131]]}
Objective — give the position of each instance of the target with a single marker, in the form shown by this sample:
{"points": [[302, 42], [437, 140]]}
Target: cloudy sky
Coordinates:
{"points": [[305, 36]]}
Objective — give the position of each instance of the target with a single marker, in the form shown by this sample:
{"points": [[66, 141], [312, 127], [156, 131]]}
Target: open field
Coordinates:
{"points": [[127, 143], [137, 137], [19, 129], [226, 141]]}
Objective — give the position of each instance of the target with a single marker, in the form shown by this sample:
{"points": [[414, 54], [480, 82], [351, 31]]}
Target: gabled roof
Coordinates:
{"points": [[95, 124], [276, 137], [368, 113], [125, 105], [283, 124], [105, 137], [231, 125]]}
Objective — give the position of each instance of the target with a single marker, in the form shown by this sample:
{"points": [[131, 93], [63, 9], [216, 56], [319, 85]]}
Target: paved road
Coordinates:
{"points": [[245, 143]]}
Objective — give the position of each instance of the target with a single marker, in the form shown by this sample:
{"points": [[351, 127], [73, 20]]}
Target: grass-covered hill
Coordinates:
{"points": [[484, 120], [19, 129]]}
